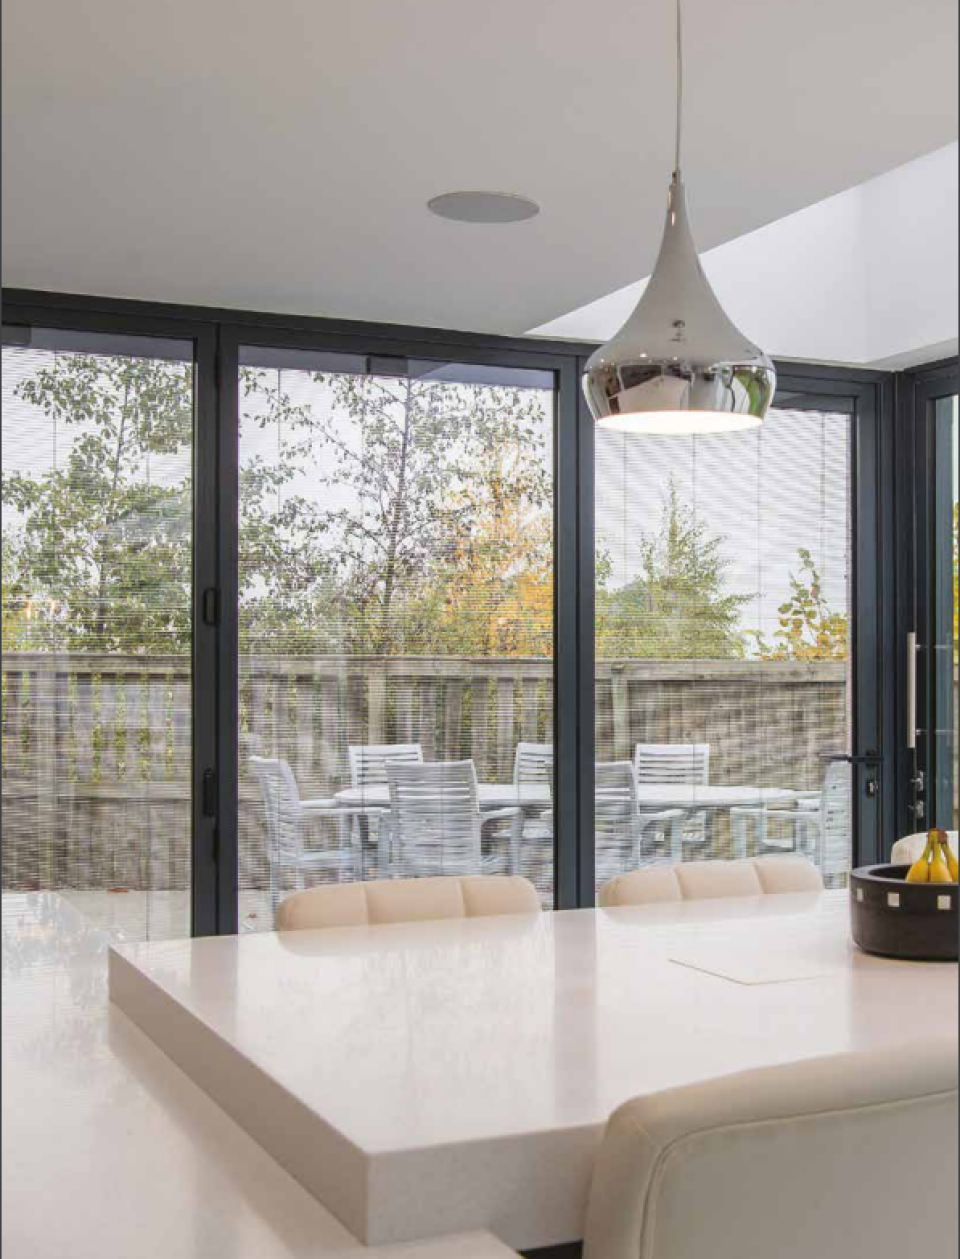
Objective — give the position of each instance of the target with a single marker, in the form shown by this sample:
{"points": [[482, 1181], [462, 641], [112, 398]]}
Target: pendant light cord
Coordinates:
{"points": [[677, 163]]}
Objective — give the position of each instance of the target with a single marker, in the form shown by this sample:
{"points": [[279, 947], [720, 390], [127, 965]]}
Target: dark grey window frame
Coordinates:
{"points": [[217, 335], [924, 458]]}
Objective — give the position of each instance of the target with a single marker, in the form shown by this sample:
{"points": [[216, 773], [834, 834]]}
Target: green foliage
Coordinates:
{"points": [[427, 528], [101, 560], [420, 480], [808, 629], [678, 608]]}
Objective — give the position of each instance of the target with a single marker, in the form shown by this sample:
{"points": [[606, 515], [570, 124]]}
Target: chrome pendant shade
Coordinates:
{"points": [[679, 365]]}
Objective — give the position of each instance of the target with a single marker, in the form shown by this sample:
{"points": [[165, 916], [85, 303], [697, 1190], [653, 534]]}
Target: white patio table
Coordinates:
{"points": [[437, 1077], [651, 797]]}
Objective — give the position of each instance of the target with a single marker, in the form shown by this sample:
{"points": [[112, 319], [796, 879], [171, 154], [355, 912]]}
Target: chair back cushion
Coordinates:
{"points": [[658, 884], [823, 1159], [703, 880], [406, 900], [711, 880], [787, 873]]}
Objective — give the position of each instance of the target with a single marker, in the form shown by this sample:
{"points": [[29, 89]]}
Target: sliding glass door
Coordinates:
{"points": [[291, 603], [396, 628], [726, 645], [98, 533]]}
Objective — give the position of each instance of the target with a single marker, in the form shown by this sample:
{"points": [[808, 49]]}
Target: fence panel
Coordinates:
{"points": [[97, 748]]}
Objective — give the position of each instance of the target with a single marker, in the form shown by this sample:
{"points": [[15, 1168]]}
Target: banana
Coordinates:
{"points": [[919, 872], [942, 845], [938, 864], [939, 871]]}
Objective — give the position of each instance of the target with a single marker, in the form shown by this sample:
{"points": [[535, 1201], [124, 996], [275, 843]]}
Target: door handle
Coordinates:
{"points": [[867, 758], [912, 691]]}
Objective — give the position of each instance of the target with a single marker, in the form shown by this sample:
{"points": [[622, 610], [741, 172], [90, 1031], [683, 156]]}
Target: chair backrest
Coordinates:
{"points": [[533, 763], [406, 900], [368, 761], [616, 815], [836, 827], [435, 814], [712, 880], [672, 763], [816, 1158], [281, 802]]}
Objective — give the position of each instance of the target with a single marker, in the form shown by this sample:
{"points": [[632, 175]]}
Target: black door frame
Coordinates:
{"points": [[217, 335], [75, 315], [923, 464], [570, 525]]}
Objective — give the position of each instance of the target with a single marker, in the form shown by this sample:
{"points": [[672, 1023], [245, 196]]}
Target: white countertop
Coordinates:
{"points": [[433, 1077], [111, 1152]]}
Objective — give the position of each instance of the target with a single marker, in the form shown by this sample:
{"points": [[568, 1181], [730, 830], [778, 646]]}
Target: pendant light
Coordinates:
{"points": [[679, 365]]}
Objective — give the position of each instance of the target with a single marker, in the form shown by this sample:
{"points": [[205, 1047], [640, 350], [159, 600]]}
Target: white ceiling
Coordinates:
{"points": [[869, 276], [278, 154]]}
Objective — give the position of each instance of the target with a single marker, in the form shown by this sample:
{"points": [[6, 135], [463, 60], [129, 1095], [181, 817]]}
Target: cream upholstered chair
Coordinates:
{"points": [[407, 900], [712, 880], [823, 1159]]}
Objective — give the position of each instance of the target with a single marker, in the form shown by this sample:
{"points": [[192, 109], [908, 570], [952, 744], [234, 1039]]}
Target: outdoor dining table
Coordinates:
{"points": [[532, 798], [431, 1078]]}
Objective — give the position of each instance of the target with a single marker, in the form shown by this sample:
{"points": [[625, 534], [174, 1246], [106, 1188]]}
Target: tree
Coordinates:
{"points": [[678, 607], [420, 476], [101, 548], [808, 629], [97, 555]]}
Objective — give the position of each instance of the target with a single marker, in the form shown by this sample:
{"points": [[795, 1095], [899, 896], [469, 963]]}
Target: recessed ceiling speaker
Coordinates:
{"points": [[484, 207]]}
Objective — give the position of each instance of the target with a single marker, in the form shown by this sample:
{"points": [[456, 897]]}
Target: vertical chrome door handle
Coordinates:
{"points": [[912, 690]]}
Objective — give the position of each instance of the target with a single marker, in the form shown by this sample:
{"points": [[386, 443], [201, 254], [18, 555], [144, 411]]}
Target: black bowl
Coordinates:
{"points": [[894, 918]]}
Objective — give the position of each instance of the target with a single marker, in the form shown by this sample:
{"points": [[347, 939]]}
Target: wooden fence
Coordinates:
{"points": [[96, 749]]}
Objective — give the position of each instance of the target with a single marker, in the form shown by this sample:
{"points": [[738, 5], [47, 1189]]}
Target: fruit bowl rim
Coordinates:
{"points": [[871, 873]]}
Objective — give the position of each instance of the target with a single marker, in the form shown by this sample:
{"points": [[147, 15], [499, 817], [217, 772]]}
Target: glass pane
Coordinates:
{"points": [[97, 536], [396, 623], [722, 644]]}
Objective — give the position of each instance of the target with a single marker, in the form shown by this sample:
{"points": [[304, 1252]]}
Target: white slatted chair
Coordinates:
{"points": [[533, 766], [368, 768], [819, 828], [435, 819], [618, 824], [687, 763], [368, 761], [287, 816]]}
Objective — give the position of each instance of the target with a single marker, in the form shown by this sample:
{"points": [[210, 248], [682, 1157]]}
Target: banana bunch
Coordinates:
{"points": [[938, 864]]}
